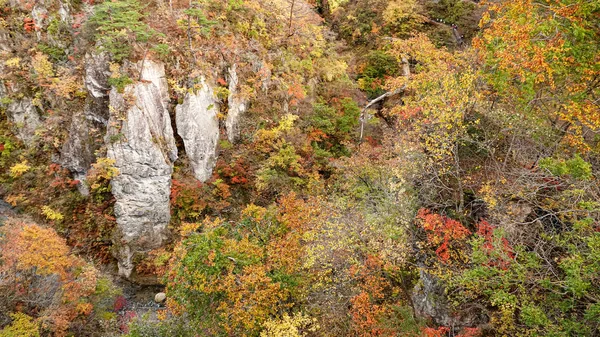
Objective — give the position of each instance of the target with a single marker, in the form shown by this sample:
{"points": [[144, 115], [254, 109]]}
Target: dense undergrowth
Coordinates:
{"points": [[465, 204]]}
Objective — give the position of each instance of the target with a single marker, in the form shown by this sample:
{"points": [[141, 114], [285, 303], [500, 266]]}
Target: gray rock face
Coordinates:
{"points": [[88, 127], [237, 107], [96, 74], [40, 18], [140, 140], [64, 12], [22, 114], [155, 73], [77, 153], [5, 41], [25, 118], [198, 126], [430, 302]]}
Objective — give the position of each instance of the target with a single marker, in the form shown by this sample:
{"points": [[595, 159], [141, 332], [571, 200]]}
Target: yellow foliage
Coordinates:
{"points": [[30, 250], [21, 326], [65, 86], [40, 248], [403, 13], [19, 169], [101, 173], [257, 213], [115, 70], [488, 195], [51, 214], [42, 67], [289, 326], [14, 62], [188, 228], [266, 138]]}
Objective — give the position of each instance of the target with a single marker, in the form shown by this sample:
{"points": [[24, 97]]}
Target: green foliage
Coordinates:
{"points": [[336, 123], [119, 24], [378, 65], [576, 168], [451, 12], [56, 54], [162, 50], [362, 22], [526, 299], [173, 326], [120, 82], [281, 170], [201, 24], [220, 270]]}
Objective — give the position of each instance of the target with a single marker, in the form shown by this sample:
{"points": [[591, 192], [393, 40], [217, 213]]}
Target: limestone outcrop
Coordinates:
{"points": [[25, 118], [197, 124], [88, 126], [140, 141], [237, 106]]}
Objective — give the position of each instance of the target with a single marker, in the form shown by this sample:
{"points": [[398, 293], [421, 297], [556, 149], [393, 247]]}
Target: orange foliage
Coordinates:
{"points": [[368, 308], [439, 332], [34, 258], [29, 25], [441, 231], [298, 217], [444, 331]]}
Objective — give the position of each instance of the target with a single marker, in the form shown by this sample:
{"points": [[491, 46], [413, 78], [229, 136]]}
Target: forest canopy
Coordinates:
{"points": [[300, 168]]}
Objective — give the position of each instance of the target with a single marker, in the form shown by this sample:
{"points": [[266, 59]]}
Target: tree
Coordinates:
{"points": [[542, 58], [118, 24], [233, 278], [43, 286]]}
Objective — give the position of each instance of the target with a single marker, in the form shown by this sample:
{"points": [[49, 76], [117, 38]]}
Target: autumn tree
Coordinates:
{"points": [[44, 286], [542, 58], [233, 278]]}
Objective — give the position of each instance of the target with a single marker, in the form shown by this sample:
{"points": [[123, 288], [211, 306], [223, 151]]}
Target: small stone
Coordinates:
{"points": [[160, 297]]}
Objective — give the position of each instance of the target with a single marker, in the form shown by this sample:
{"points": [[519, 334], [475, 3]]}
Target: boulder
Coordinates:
{"points": [[160, 297]]}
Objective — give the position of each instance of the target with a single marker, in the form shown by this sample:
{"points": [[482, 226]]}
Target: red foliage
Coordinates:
{"points": [[486, 231], [233, 174], [408, 113], [125, 320], [439, 332], [187, 197], [29, 25], [441, 231], [120, 303], [61, 177]]}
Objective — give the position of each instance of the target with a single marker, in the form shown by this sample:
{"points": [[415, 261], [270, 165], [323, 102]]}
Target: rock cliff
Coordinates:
{"points": [[140, 140], [198, 126]]}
